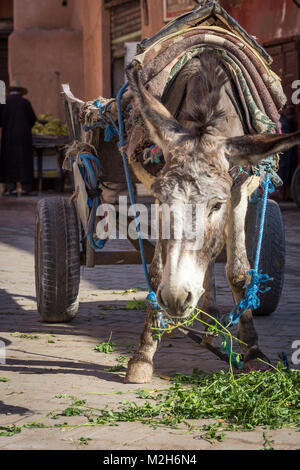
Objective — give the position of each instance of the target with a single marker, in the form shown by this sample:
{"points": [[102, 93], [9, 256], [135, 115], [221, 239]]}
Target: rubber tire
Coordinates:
{"points": [[272, 258], [57, 260], [295, 186]]}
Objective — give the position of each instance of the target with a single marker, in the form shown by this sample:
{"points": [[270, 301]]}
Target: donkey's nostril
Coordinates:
{"points": [[185, 301], [174, 304], [189, 299]]}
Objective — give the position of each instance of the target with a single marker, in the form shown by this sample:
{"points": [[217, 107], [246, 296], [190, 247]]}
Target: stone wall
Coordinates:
{"points": [[45, 50], [96, 49], [268, 20]]}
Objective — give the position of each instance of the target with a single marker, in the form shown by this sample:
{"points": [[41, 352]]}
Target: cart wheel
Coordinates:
{"points": [[57, 260], [295, 186], [272, 258]]}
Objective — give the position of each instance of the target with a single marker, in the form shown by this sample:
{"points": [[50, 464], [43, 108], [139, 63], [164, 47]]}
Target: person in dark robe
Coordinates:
{"points": [[16, 158]]}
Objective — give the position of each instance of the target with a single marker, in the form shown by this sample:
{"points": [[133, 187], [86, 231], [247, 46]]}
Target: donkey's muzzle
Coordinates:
{"points": [[176, 304]]}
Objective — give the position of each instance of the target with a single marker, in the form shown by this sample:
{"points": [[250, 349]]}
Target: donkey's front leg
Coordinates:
{"points": [[236, 268], [140, 367], [209, 304]]}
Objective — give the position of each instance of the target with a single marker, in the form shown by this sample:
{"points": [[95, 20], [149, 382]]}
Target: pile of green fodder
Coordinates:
{"points": [[256, 398], [240, 401]]}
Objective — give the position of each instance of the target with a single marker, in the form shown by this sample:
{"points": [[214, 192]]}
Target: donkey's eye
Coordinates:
{"points": [[217, 206]]}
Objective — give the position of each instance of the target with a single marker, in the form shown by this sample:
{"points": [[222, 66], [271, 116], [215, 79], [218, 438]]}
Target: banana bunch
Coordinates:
{"points": [[46, 124]]}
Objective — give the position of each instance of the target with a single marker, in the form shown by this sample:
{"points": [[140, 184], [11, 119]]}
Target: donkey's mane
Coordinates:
{"points": [[207, 76]]}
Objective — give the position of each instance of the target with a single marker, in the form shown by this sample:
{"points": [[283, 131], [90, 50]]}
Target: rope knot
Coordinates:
{"points": [[161, 318], [109, 133], [110, 129], [151, 298], [251, 300]]}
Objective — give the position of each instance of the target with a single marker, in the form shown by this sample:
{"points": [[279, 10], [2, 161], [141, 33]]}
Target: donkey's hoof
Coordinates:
{"points": [[139, 372], [252, 362]]}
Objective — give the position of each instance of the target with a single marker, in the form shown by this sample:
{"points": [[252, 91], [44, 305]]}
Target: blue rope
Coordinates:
{"points": [[85, 160], [88, 171], [152, 296], [283, 357], [268, 188], [110, 129], [226, 347], [251, 300], [161, 318]]}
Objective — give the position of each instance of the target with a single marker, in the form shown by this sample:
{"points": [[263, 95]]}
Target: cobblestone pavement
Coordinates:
{"points": [[47, 360]]}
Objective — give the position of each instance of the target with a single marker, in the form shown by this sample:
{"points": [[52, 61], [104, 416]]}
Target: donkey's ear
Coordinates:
{"points": [[163, 127], [251, 149]]}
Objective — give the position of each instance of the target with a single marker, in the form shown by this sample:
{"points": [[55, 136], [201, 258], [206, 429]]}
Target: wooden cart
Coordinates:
{"points": [[60, 244]]}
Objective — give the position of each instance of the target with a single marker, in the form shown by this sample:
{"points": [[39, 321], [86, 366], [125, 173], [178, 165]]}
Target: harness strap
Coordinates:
{"points": [[121, 145]]}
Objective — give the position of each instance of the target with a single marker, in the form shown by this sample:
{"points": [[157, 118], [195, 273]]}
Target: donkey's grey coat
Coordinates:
{"points": [[199, 149]]}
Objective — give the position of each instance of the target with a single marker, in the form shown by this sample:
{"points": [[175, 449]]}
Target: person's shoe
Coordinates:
{"points": [[28, 193], [11, 193]]}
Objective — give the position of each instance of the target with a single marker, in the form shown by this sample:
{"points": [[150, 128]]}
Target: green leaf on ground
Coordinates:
{"points": [[106, 347]]}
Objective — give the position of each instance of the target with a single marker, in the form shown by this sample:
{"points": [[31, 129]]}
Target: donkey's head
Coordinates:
{"points": [[194, 187]]}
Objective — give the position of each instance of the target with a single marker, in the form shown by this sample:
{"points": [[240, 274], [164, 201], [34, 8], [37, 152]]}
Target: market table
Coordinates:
{"points": [[44, 142]]}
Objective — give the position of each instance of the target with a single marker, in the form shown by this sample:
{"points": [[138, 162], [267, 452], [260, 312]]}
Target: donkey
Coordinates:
{"points": [[200, 147]]}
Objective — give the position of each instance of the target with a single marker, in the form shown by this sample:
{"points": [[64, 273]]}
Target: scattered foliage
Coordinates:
{"points": [[106, 347], [127, 291], [24, 335], [120, 366], [84, 441], [136, 305], [9, 431]]}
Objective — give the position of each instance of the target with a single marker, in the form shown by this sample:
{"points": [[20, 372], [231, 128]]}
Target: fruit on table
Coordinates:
{"points": [[46, 124]]}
